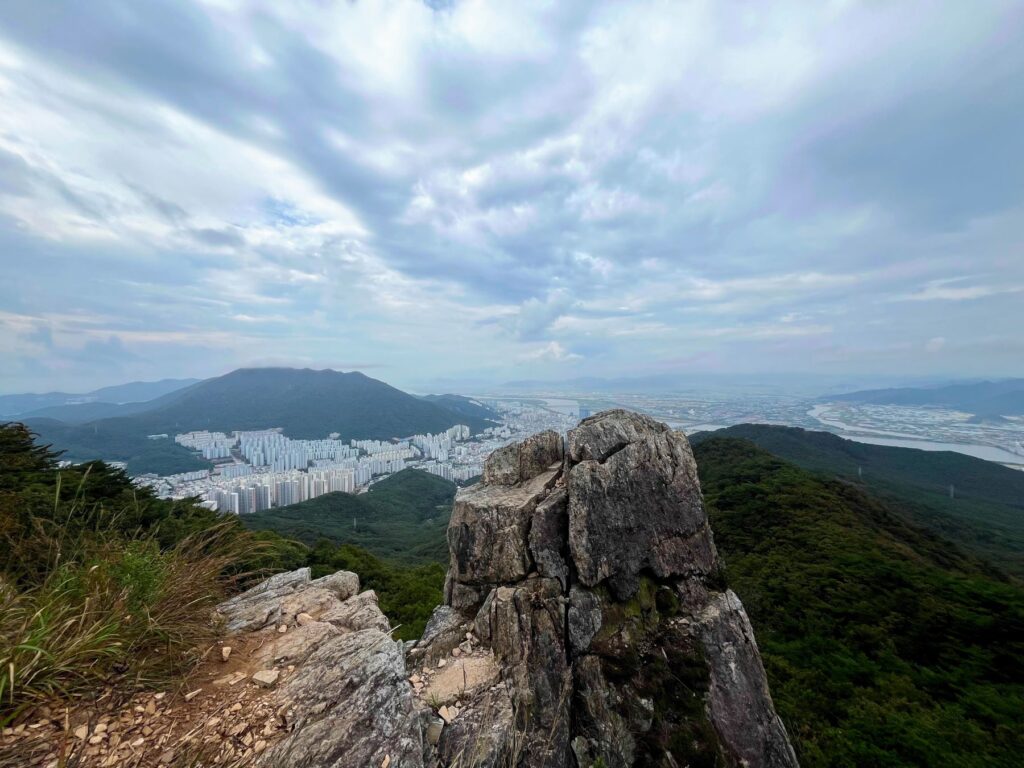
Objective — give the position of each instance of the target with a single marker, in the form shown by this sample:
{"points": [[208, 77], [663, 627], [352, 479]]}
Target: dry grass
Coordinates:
{"points": [[109, 609]]}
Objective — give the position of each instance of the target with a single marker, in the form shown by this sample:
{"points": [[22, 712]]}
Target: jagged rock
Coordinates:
{"points": [[637, 505], [296, 646], [584, 618], [487, 534], [527, 628], [614, 639], [739, 701], [521, 462], [352, 706], [359, 612], [444, 631], [258, 607], [344, 584], [549, 536], [483, 736]]}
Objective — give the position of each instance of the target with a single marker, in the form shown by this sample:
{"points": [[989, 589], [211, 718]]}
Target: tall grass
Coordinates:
{"points": [[86, 605]]}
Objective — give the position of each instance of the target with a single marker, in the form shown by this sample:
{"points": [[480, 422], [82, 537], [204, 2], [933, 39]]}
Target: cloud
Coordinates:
{"points": [[467, 188]]}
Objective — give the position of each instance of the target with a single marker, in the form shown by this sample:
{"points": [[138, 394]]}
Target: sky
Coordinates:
{"points": [[487, 191]]}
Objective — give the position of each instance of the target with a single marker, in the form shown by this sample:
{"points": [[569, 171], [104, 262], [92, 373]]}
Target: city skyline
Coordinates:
{"points": [[469, 191]]}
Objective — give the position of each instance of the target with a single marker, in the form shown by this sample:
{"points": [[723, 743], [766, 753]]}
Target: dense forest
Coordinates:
{"points": [[402, 518], [984, 514], [884, 645]]}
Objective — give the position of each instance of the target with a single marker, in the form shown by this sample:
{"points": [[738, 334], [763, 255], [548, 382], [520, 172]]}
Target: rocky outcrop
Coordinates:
{"points": [[586, 623], [326, 650], [590, 573]]}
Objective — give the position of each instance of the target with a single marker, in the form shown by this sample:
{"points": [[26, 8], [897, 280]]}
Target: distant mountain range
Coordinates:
{"points": [[986, 398], [102, 402], [303, 403], [985, 515]]}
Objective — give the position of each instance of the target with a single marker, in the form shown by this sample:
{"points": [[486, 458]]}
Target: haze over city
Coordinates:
{"points": [[471, 191]]}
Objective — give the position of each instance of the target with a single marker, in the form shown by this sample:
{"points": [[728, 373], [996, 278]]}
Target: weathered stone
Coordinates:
{"points": [[527, 635], [521, 462], [636, 507], [462, 677], [487, 534], [502, 466], [538, 453], [549, 537], [483, 735], [258, 607], [344, 584], [739, 702], [311, 600], [584, 619], [352, 707], [296, 646], [443, 632], [266, 678], [359, 612]]}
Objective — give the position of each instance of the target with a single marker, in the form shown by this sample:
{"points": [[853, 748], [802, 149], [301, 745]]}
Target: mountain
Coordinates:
{"points": [[467, 406], [986, 398], [985, 515], [304, 403], [133, 392], [81, 413], [402, 518], [883, 645]]}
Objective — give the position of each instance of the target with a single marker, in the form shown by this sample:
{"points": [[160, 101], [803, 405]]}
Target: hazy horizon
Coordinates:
{"points": [[481, 193]]}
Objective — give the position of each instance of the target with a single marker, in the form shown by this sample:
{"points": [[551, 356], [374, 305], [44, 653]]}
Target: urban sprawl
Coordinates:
{"points": [[257, 470]]}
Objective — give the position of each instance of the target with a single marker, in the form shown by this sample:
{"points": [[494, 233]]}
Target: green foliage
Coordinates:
{"points": [[103, 584], [407, 595], [883, 645], [986, 517], [402, 518], [118, 440]]}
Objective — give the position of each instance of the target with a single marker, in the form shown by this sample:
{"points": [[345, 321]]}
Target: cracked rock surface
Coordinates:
{"points": [[588, 569]]}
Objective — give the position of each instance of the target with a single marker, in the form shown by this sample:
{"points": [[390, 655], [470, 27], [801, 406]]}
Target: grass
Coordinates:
{"points": [[103, 586]]}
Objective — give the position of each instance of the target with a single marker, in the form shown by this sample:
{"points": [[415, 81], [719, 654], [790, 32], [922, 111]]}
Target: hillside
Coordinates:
{"points": [[305, 403], [401, 518], [986, 398], [986, 516], [883, 647]]}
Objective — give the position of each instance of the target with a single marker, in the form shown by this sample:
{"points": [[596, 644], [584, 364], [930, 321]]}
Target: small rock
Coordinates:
{"points": [[167, 757], [434, 731], [266, 678], [445, 714], [193, 694], [80, 732], [456, 652], [225, 653], [386, 761], [99, 728], [283, 628], [303, 619], [415, 679], [260, 746], [441, 663], [96, 739], [151, 707], [236, 707]]}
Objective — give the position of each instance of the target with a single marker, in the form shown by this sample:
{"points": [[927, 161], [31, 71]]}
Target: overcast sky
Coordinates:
{"points": [[510, 190]]}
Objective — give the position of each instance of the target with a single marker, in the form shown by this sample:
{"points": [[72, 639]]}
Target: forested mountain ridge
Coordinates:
{"points": [[883, 644], [985, 515]]}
